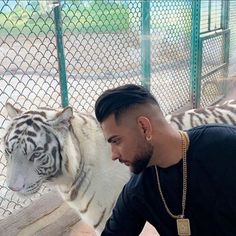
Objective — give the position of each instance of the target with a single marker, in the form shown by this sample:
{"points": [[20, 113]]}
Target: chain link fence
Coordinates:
{"points": [[105, 44], [211, 52], [28, 73]]}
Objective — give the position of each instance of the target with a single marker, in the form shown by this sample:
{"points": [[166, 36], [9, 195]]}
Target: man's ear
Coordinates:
{"points": [[145, 127]]}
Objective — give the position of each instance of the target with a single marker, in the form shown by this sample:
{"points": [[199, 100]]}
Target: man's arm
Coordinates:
{"points": [[125, 219]]}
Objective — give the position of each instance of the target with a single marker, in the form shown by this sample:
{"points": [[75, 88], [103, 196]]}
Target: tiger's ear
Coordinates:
{"points": [[62, 119], [12, 111]]}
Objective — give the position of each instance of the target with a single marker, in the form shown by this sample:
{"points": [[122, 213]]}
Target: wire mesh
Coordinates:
{"points": [[214, 69], [211, 13], [212, 54], [28, 68], [171, 37], [102, 48], [212, 87], [102, 43]]}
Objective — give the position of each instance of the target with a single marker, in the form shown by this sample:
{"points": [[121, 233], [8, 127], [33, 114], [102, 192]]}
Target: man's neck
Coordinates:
{"points": [[167, 149]]}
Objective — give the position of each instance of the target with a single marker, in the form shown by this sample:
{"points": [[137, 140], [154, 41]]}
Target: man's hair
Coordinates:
{"points": [[118, 100]]}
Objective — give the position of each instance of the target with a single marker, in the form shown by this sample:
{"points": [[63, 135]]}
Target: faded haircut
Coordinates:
{"points": [[118, 100]]}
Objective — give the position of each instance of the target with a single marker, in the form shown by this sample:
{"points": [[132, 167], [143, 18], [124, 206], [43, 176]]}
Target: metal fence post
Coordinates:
{"points": [[61, 55], [196, 54], [145, 44], [224, 26]]}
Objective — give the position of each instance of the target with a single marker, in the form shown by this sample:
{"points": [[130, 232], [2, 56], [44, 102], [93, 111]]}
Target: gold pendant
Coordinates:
{"points": [[183, 227]]}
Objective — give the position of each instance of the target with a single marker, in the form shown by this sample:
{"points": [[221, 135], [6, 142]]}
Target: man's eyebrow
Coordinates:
{"points": [[112, 137]]}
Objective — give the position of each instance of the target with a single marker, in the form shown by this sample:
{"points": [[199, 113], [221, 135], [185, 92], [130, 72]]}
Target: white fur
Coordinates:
{"points": [[85, 141], [107, 177]]}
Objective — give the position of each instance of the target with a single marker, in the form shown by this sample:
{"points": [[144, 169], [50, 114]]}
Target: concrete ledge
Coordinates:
{"points": [[51, 216]]}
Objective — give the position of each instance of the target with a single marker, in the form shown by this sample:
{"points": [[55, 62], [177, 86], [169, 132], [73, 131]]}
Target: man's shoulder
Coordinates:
{"points": [[212, 129], [212, 139], [214, 126]]}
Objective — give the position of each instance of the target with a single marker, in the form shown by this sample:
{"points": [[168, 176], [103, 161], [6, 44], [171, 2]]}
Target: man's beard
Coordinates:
{"points": [[142, 160]]}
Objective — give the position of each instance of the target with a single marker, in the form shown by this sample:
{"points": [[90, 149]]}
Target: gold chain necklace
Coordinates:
{"points": [[183, 225]]}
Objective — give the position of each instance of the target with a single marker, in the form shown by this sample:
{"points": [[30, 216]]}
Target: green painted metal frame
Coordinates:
{"points": [[196, 55], [224, 66], [61, 55], [225, 26], [209, 14], [145, 44], [197, 48]]}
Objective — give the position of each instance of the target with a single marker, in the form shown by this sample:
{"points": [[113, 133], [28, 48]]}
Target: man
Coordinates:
{"points": [[184, 183]]}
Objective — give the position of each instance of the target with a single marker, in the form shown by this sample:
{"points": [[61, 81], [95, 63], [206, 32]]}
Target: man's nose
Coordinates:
{"points": [[114, 153]]}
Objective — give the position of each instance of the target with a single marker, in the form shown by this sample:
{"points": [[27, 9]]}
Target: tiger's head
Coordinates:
{"points": [[33, 147]]}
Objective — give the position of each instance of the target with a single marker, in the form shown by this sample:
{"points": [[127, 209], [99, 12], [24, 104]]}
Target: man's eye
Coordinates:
{"points": [[115, 141]]}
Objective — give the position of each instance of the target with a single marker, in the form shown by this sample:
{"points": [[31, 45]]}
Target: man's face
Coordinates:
{"points": [[128, 143]]}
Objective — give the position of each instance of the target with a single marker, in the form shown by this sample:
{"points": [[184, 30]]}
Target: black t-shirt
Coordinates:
{"points": [[211, 190]]}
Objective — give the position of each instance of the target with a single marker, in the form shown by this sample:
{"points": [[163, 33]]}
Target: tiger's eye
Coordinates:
{"points": [[34, 156], [7, 151], [37, 154]]}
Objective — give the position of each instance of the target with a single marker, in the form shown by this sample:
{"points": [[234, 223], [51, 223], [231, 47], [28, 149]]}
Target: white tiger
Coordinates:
{"points": [[68, 149], [224, 113]]}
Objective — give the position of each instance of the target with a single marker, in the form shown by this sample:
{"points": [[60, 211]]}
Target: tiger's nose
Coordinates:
{"points": [[15, 188], [17, 184]]}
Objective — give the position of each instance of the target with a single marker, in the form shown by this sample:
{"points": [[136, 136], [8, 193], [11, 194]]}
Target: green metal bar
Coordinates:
{"points": [[219, 68], [225, 14], [145, 44], [209, 15], [213, 30], [196, 54], [212, 35], [226, 40], [61, 55]]}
